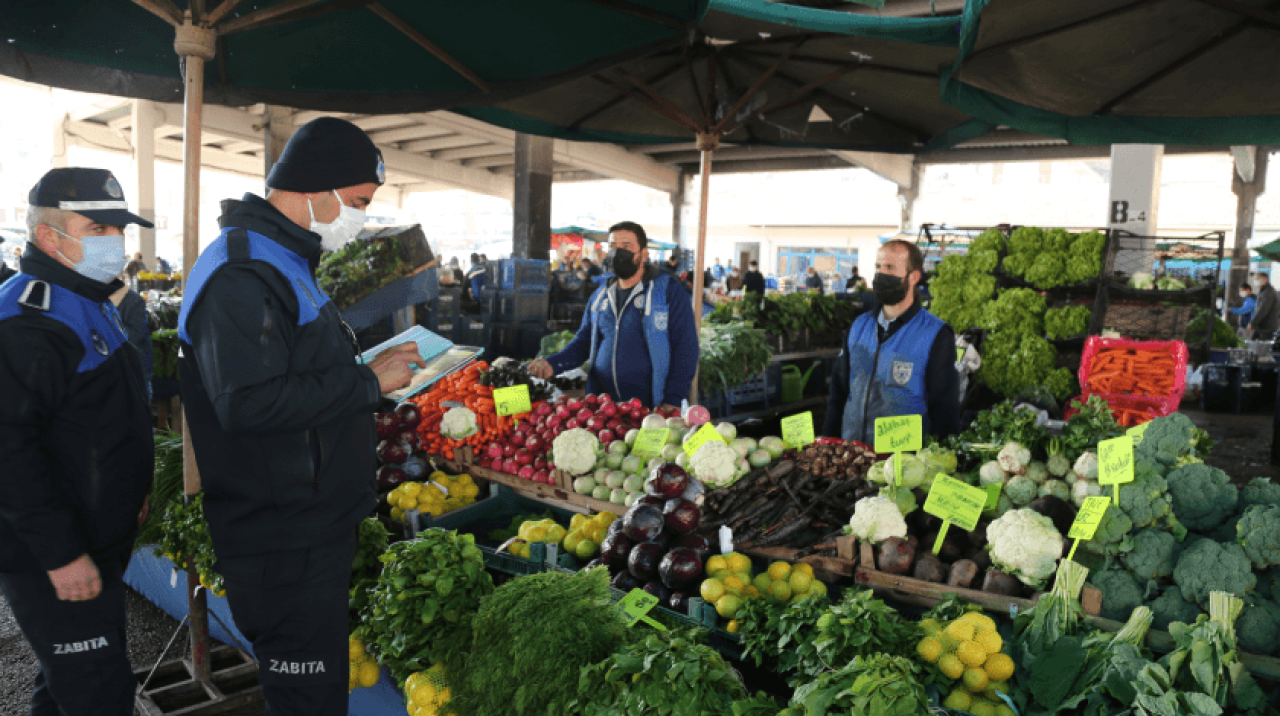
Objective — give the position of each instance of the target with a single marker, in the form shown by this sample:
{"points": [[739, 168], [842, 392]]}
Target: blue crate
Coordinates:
{"points": [[469, 332], [519, 273], [407, 291], [517, 306], [755, 390]]}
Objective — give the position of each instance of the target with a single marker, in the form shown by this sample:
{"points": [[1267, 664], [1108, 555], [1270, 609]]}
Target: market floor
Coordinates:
{"points": [[1244, 442], [149, 630]]}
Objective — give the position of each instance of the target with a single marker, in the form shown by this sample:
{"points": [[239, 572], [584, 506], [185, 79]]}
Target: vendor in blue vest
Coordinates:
{"points": [[638, 332], [901, 358]]}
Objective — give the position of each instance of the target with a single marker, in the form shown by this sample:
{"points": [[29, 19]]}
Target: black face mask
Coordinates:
{"points": [[623, 263], [889, 290]]}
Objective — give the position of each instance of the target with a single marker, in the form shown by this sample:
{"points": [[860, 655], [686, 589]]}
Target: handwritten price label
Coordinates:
{"points": [[797, 430], [1089, 517], [513, 400], [650, 441], [637, 605], [903, 433], [1115, 461], [1136, 432], [704, 435], [957, 502]]}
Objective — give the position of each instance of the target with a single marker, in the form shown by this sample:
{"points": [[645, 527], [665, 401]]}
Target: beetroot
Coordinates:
{"points": [[409, 415], [667, 481], [389, 476], [681, 516], [643, 523], [393, 452], [897, 555], [680, 568], [644, 560], [386, 424], [699, 544], [615, 548]]}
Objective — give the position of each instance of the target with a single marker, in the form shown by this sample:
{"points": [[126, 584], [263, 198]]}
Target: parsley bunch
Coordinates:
{"points": [[665, 673], [372, 537]]}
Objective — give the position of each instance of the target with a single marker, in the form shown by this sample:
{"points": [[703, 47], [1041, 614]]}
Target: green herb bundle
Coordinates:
{"points": [[731, 354], [1092, 423], [775, 631], [372, 542], [663, 674], [1056, 616], [880, 684], [1000, 425], [530, 639], [186, 540], [858, 625], [1067, 321], [166, 487]]}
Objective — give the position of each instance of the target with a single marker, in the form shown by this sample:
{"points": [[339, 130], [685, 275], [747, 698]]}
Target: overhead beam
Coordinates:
{"points": [[1042, 154], [480, 150], [897, 168], [469, 178], [414, 131], [448, 141], [499, 160]]}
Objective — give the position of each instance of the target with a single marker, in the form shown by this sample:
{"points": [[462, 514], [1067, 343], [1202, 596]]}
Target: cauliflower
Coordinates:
{"points": [[1207, 566], [1259, 491], [1013, 457], [1086, 466], [876, 519], [1058, 465], [1203, 496], [1259, 534], [1153, 556], [575, 451], [1170, 607], [1166, 439], [459, 424], [1038, 472], [1025, 543], [1057, 488], [991, 473], [1021, 490], [1082, 490], [1120, 593], [714, 463], [1258, 628]]}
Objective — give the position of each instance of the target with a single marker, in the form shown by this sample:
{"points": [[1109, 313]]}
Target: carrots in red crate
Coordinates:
{"points": [[1132, 371]]}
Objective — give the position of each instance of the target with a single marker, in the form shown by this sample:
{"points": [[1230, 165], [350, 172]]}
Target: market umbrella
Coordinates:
{"points": [[1122, 71]]}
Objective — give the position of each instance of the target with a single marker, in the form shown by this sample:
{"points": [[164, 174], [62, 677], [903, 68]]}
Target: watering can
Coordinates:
{"points": [[793, 382]]}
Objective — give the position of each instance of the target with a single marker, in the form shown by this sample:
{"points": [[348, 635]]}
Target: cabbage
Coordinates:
{"points": [[1038, 472], [743, 446], [671, 452]]}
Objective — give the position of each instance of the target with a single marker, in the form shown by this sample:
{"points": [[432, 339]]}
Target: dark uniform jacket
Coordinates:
{"points": [[281, 414], [75, 421]]}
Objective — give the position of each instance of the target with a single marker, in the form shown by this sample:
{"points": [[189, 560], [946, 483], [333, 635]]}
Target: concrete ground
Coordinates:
{"points": [[1244, 442]]}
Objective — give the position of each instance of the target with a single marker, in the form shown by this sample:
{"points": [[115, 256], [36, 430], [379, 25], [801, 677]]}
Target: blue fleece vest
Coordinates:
{"points": [[97, 325], [294, 268], [887, 380], [656, 318]]}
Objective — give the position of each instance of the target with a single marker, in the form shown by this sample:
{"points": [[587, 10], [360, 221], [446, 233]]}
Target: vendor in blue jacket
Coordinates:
{"points": [[898, 360], [638, 332]]}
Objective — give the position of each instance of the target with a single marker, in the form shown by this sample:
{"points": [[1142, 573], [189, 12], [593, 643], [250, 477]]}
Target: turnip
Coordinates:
{"points": [[601, 492], [774, 446], [653, 421], [742, 447], [671, 452], [619, 448], [614, 480], [584, 485], [631, 437], [600, 474], [727, 431], [614, 461], [675, 436], [618, 496], [654, 462], [683, 459], [759, 458], [632, 464], [677, 423], [631, 498], [633, 483]]}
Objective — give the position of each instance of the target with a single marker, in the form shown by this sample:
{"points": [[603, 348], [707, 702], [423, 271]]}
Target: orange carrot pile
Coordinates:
{"points": [[1129, 371], [461, 387], [1129, 417]]}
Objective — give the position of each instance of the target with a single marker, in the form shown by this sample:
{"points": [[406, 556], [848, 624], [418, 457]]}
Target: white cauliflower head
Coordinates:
{"points": [[991, 473], [1014, 458], [715, 463], [575, 451], [1025, 543], [458, 424], [876, 519], [1086, 466]]}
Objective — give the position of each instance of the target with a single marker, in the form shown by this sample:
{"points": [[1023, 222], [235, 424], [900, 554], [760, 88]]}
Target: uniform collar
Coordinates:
{"points": [[253, 213], [40, 265]]}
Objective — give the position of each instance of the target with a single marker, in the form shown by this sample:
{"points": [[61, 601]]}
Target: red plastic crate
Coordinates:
{"points": [[1176, 349]]}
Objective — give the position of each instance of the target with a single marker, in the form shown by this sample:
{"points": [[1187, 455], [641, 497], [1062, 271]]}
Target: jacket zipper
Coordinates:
{"points": [[617, 330], [866, 396]]}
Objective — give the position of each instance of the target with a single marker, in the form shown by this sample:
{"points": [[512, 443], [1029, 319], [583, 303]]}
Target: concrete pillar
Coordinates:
{"points": [[531, 234], [144, 122], [1135, 193], [277, 127], [1248, 182], [59, 142], [907, 196], [679, 207]]}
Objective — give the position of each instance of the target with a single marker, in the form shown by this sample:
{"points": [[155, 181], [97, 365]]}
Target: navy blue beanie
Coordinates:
{"points": [[327, 153]]}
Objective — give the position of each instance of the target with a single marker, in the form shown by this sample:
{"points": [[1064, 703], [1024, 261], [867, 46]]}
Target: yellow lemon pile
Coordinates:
{"points": [[540, 532], [364, 670], [586, 534], [425, 692], [730, 582], [968, 651], [441, 493]]}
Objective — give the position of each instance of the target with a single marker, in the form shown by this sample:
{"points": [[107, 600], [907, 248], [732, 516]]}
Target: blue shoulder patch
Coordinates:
{"points": [[97, 325]]}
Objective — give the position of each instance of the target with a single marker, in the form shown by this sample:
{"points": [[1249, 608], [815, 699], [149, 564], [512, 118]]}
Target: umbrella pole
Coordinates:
{"points": [[194, 45], [707, 143]]}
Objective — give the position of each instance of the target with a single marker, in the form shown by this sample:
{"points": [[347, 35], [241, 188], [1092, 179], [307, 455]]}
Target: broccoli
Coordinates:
{"points": [[1207, 566], [1201, 443], [1170, 607], [1153, 556], [1259, 491], [1258, 628], [1259, 533], [1112, 536], [1166, 439], [1120, 593], [1227, 532], [1269, 583], [1203, 496]]}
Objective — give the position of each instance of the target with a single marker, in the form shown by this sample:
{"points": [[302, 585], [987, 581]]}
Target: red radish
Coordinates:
{"points": [[524, 426], [526, 473], [534, 443], [543, 410], [517, 439], [563, 412], [571, 423], [539, 463], [595, 425], [556, 421], [634, 404], [496, 464], [591, 401], [608, 409], [541, 475], [583, 415], [606, 437], [613, 424], [508, 450], [574, 405], [510, 466], [494, 450], [524, 457]]}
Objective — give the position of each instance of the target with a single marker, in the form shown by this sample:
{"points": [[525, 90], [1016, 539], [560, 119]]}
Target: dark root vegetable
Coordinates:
{"points": [[1062, 513], [963, 573], [930, 569], [1000, 583], [897, 555]]}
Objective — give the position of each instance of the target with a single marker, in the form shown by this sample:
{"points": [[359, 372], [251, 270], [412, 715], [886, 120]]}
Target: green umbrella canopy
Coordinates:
{"points": [[754, 72], [1123, 71], [338, 55]]}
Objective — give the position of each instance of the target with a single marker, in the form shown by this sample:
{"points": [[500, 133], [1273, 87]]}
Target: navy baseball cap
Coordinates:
{"points": [[92, 193]]}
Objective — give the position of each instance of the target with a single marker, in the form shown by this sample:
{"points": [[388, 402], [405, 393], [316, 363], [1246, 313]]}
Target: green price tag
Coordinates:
{"points": [[636, 606], [959, 354], [1087, 521], [797, 430], [513, 400], [650, 441], [902, 433], [704, 435], [956, 501], [1115, 464], [1136, 432], [993, 496]]}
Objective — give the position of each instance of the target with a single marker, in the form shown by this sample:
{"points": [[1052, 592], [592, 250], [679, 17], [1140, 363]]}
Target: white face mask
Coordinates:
{"points": [[342, 230]]}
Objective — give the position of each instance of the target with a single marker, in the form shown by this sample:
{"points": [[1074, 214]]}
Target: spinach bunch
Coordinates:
{"points": [[665, 673], [774, 631], [859, 625], [880, 684]]}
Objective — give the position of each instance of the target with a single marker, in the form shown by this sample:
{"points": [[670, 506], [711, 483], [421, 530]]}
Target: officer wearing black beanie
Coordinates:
{"points": [[281, 412]]}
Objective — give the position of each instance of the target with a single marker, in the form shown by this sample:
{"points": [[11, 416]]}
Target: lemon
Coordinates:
{"points": [[728, 605], [979, 620], [738, 563], [780, 591], [948, 642], [443, 696], [929, 649], [537, 533], [779, 570], [800, 582], [803, 567], [415, 679], [981, 707], [999, 667], [960, 630], [733, 584], [423, 694], [930, 626], [408, 503], [397, 514], [951, 666], [556, 534], [762, 582], [720, 574], [717, 563], [975, 680], [995, 688], [958, 700], [971, 653], [393, 498], [595, 532], [586, 549], [412, 489], [750, 592], [734, 626], [355, 649], [607, 518], [369, 674], [428, 710], [990, 640], [711, 590], [572, 540], [576, 522], [1004, 710], [523, 532], [817, 589]]}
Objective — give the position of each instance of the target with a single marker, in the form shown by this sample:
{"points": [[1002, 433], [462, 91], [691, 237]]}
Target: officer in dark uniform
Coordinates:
{"points": [[75, 438], [281, 412]]}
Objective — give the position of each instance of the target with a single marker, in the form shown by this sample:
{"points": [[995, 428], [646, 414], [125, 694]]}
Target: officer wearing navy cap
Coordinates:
{"points": [[75, 436], [281, 412]]}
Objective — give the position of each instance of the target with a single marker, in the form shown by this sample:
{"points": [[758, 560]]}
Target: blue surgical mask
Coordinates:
{"points": [[102, 257]]}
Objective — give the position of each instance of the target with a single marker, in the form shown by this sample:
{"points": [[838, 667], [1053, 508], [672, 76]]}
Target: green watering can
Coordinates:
{"points": [[793, 382]]}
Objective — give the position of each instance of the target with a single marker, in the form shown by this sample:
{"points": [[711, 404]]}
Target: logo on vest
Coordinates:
{"points": [[79, 647], [99, 343], [660, 320], [901, 372], [296, 668]]}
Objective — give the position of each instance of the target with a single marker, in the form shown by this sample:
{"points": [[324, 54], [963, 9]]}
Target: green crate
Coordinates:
{"points": [[494, 513]]}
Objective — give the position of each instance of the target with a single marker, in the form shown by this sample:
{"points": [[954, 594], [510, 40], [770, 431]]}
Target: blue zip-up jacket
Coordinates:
{"points": [[1245, 311], [648, 351]]}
